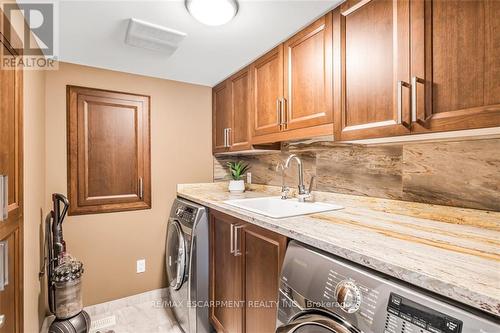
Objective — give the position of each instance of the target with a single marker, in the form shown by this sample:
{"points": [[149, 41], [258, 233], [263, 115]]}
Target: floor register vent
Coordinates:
{"points": [[100, 325]]}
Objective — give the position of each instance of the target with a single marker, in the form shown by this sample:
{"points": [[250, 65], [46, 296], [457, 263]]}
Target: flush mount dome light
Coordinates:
{"points": [[212, 12]]}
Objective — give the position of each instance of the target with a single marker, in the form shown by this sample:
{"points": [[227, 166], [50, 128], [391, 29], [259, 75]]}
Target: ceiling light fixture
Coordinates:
{"points": [[212, 12]]}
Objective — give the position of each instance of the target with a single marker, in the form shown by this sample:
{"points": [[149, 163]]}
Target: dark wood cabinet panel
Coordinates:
{"points": [[11, 166], [11, 87], [10, 297], [240, 105], [455, 64], [267, 78], [245, 263], [221, 116], [108, 151], [371, 55], [231, 112], [264, 253], [225, 274], [308, 76]]}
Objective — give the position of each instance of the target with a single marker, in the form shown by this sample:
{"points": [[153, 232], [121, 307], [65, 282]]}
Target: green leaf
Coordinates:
{"points": [[237, 169]]}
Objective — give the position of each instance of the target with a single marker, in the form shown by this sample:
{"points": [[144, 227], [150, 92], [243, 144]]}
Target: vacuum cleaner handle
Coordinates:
{"points": [[57, 234], [58, 199]]}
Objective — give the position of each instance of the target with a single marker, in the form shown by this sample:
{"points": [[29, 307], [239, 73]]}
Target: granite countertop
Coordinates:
{"points": [[453, 252]]}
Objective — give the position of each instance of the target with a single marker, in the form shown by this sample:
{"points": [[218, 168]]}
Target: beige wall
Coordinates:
{"points": [[34, 196], [110, 244]]}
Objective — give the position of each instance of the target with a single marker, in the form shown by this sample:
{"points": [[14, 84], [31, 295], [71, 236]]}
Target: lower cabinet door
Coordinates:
{"points": [[226, 289], [245, 264], [263, 256], [8, 299]]}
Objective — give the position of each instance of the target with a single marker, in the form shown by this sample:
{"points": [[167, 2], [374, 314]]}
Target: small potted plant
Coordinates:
{"points": [[237, 170]]}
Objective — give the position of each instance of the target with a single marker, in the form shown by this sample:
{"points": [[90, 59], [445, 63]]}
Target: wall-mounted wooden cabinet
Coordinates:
{"points": [[406, 67], [371, 43], [267, 84], [245, 263], [221, 116], [455, 68], [108, 151], [375, 68], [308, 76], [230, 113], [292, 87]]}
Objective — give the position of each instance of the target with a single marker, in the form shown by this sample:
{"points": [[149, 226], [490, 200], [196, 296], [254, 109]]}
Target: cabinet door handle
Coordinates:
{"points": [[401, 84], [414, 114], [278, 112], [284, 118], [4, 197], [237, 251], [226, 138], [4, 264], [231, 239], [141, 188], [229, 137], [2, 320]]}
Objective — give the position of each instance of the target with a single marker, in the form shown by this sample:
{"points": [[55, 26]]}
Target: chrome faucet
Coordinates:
{"points": [[303, 193], [285, 190]]}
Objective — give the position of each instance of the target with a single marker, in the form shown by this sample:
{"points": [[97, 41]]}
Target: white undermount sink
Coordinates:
{"points": [[276, 207]]}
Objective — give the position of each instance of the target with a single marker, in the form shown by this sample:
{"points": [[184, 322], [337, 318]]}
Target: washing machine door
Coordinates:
{"points": [[316, 321], [176, 255]]}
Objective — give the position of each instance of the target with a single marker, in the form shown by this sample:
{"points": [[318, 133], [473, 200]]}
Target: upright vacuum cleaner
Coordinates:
{"points": [[63, 275]]}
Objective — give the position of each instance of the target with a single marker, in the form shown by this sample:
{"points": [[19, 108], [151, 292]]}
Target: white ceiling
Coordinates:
{"points": [[93, 32]]}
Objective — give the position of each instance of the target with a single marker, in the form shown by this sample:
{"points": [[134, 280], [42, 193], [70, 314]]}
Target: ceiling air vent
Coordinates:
{"points": [[153, 37]]}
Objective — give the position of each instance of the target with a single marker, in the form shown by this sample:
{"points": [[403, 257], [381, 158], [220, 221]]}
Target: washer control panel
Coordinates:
{"points": [[348, 296], [405, 315], [186, 214]]}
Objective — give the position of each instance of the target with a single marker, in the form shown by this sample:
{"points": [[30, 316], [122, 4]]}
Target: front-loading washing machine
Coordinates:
{"points": [[187, 265], [320, 293]]}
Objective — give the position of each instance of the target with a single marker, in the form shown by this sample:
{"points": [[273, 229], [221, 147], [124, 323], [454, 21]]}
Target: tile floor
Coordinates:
{"points": [[143, 313]]}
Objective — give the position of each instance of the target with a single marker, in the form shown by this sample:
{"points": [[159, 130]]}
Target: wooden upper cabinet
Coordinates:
{"points": [[108, 151], [455, 64], [240, 104], [267, 77], [221, 116], [11, 143], [372, 69], [231, 112], [308, 76]]}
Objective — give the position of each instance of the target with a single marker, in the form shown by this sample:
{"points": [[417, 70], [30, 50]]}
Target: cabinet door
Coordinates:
{"points": [[455, 64], [240, 106], [221, 116], [109, 151], [308, 76], [11, 131], [9, 295], [371, 55], [225, 275], [267, 77], [264, 252]]}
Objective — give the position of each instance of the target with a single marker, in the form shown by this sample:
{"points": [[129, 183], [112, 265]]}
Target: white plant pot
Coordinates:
{"points": [[236, 186]]}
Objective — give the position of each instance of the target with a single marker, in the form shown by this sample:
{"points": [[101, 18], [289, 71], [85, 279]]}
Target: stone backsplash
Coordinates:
{"points": [[453, 173]]}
